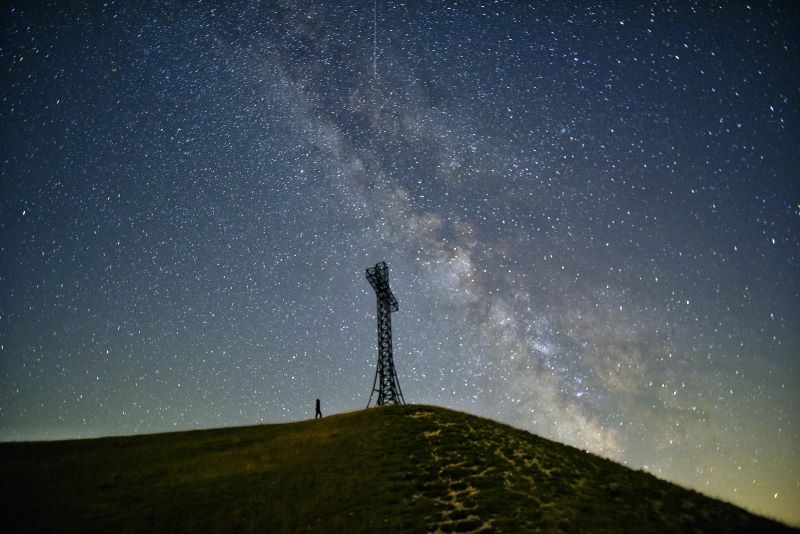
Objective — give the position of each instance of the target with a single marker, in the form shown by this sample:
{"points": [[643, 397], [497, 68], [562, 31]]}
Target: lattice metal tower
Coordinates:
{"points": [[385, 383]]}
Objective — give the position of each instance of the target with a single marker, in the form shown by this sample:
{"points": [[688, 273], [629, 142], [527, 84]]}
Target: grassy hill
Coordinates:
{"points": [[396, 469]]}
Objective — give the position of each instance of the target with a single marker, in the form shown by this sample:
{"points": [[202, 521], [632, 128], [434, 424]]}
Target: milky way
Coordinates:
{"points": [[590, 217]]}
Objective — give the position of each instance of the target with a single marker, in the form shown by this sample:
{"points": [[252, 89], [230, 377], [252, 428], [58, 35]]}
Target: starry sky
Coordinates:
{"points": [[591, 217]]}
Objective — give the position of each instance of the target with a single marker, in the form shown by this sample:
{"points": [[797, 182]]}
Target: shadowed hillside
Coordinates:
{"points": [[398, 468]]}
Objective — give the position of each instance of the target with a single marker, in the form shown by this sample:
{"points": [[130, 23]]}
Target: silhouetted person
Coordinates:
{"points": [[319, 411]]}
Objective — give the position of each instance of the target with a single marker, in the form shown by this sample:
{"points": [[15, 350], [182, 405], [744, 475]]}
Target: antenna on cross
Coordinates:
{"points": [[385, 384]]}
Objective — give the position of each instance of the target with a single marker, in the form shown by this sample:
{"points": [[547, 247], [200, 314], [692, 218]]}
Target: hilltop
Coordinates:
{"points": [[397, 469]]}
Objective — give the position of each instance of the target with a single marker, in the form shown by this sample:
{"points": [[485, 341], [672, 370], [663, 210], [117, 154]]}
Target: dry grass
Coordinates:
{"points": [[397, 469]]}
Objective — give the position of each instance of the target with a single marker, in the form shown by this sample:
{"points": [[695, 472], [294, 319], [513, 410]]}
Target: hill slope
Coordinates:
{"points": [[399, 468]]}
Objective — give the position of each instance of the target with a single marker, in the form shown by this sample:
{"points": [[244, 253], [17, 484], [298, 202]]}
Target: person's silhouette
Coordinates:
{"points": [[319, 411]]}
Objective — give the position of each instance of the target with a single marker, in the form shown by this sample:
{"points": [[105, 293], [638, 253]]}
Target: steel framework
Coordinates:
{"points": [[385, 383]]}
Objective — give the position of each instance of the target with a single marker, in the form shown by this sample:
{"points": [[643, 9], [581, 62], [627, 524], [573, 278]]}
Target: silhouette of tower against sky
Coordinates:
{"points": [[385, 383]]}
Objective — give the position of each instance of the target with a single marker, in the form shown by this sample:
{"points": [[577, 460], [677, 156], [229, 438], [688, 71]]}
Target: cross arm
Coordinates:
{"points": [[378, 277]]}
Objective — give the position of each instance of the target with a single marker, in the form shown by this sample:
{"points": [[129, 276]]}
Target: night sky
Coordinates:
{"points": [[591, 218]]}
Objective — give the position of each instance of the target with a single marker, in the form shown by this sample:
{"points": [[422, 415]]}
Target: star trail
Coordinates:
{"points": [[591, 217]]}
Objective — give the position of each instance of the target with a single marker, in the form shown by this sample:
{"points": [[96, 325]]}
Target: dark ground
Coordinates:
{"points": [[398, 469]]}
